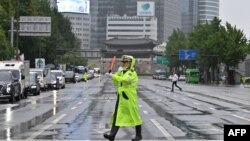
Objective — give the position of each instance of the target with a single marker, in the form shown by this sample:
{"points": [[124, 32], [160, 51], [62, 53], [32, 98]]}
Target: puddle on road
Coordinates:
{"points": [[11, 132]]}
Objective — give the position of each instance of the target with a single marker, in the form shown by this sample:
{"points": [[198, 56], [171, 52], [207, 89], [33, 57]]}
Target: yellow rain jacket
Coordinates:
{"points": [[85, 76], [126, 112]]}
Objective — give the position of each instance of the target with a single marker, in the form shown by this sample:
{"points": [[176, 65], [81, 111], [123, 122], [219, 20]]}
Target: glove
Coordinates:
{"points": [[109, 75], [120, 69]]}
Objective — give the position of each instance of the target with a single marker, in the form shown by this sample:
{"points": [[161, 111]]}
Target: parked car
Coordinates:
{"points": [[70, 76], [91, 74], [60, 76], [159, 74], [77, 77], [10, 86], [34, 87], [97, 72], [54, 82], [43, 77], [182, 78]]}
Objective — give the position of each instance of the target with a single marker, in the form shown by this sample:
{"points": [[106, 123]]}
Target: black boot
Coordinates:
{"points": [[138, 136], [111, 136]]}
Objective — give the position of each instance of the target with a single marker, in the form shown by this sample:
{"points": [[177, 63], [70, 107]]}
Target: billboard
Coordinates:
{"points": [[145, 8], [34, 26], [73, 6]]}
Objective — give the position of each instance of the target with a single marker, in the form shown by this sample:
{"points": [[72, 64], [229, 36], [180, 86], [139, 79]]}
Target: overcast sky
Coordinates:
{"points": [[236, 12]]}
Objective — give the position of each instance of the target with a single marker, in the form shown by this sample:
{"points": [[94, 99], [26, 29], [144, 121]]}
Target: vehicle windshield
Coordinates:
{"points": [[5, 76], [33, 77], [39, 73], [56, 74]]}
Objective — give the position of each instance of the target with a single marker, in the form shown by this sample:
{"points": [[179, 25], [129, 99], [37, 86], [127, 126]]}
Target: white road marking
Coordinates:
{"points": [[212, 108], [163, 131], [195, 103], [246, 111], [34, 135], [241, 117], [145, 112], [79, 103], [73, 108]]}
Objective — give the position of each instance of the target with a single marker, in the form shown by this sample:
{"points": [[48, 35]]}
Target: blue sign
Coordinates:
{"points": [[187, 54]]}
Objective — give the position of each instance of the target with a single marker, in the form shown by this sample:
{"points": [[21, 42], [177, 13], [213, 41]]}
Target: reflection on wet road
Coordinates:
{"points": [[81, 111]]}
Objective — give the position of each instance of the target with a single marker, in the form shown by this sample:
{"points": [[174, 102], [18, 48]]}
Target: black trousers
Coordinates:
{"points": [[175, 83]]}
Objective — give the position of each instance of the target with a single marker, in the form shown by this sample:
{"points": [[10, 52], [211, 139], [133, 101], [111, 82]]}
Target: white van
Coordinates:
{"points": [[20, 70], [43, 76], [57, 74]]}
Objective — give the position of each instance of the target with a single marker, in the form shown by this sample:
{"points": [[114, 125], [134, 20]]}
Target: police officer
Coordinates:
{"points": [[126, 111]]}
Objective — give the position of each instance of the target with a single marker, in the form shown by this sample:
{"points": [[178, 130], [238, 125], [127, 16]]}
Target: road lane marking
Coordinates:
{"points": [[163, 131], [195, 103], [79, 103], [37, 133], [241, 117], [145, 112], [246, 111], [212, 108], [73, 108]]}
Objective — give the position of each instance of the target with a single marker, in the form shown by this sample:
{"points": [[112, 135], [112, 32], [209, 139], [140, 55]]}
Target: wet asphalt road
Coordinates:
{"points": [[81, 111]]}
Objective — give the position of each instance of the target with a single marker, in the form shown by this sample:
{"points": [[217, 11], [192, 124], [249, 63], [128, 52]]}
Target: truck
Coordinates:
{"points": [[20, 71], [43, 77]]}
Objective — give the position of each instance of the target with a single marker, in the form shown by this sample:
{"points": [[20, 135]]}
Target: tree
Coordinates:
{"points": [[176, 42], [61, 34]]}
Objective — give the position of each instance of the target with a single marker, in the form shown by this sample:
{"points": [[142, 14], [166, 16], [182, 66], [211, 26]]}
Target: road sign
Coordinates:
{"points": [[40, 62], [35, 26], [187, 54], [161, 60]]}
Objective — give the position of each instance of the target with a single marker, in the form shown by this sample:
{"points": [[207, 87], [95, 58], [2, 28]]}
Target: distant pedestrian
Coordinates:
{"points": [[85, 76], [174, 82]]}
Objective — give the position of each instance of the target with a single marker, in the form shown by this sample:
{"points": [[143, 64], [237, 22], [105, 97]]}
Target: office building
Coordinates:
{"points": [[131, 27], [167, 12], [197, 11]]}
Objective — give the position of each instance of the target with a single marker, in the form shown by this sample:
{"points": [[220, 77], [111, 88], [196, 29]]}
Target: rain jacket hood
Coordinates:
{"points": [[126, 112]]}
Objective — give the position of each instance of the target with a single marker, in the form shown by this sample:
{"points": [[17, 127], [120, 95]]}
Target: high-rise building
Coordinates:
{"points": [[80, 24], [53, 3], [167, 12], [79, 17], [207, 10], [197, 11]]}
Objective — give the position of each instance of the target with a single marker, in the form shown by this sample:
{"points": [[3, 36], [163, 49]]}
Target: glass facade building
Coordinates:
{"points": [[197, 11]]}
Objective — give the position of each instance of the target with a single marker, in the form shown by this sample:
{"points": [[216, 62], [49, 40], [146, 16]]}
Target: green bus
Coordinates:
{"points": [[192, 75]]}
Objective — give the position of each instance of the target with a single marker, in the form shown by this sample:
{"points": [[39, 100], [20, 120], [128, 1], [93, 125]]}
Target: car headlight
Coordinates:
{"points": [[33, 87], [8, 89]]}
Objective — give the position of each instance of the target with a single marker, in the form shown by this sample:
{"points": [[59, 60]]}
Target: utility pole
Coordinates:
{"points": [[12, 31]]}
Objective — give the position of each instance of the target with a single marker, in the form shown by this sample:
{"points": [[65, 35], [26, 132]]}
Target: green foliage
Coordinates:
{"points": [[61, 36], [6, 51], [176, 42], [216, 44]]}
